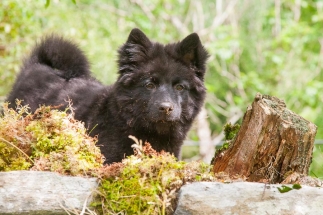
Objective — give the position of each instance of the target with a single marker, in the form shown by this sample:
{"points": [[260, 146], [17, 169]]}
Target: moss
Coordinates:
{"points": [[230, 132], [11, 159], [48, 139], [13, 149], [146, 183]]}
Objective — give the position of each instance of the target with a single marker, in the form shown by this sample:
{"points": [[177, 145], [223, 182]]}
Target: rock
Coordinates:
{"points": [[31, 192], [243, 198]]}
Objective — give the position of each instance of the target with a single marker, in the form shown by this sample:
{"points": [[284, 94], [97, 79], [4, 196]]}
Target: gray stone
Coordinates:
{"points": [[244, 198], [31, 192]]}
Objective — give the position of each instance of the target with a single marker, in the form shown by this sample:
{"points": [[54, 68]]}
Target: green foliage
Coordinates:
{"points": [[285, 189], [230, 130], [146, 183], [317, 161], [48, 2], [296, 186], [46, 140]]}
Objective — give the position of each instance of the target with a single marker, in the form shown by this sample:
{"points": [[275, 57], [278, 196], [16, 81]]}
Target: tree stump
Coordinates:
{"points": [[272, 143]]}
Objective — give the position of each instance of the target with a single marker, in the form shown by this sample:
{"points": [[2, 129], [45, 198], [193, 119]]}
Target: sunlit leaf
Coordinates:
{"points": [[47, 3], [284, 189], [297, 186]]}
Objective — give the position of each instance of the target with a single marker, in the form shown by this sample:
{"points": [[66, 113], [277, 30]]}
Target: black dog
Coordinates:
{"points": [[158, 93]]}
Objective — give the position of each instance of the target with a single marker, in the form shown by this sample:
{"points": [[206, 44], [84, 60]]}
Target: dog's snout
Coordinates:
{"points": [[166, 107]]}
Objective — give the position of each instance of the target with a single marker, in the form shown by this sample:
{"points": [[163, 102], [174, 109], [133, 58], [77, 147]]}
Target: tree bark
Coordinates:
{"points": [[272, 143]]}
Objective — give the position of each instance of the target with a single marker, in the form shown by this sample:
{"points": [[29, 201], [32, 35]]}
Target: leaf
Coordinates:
{"points": [[47, 3], [284, 189], [297, 186]]}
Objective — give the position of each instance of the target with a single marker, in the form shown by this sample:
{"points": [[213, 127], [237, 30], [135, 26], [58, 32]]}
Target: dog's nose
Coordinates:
{"points": [[166, 107]]}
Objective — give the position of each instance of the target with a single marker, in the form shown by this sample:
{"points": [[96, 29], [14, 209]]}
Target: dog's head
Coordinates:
{"points": [[159, 84]]}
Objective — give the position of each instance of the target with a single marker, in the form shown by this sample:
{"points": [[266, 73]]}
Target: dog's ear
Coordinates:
{"points": [[134, 51], [138, 37], [193, 53]]}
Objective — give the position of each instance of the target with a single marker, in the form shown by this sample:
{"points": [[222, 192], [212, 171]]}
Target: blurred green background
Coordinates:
{"points": [[272, 47]]}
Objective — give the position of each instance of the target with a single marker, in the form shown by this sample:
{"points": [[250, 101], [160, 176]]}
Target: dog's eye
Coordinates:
{"points": [[150, 86], [179, 87]]}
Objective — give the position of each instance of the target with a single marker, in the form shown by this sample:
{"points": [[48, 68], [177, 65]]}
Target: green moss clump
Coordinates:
{"points": [[14, 140], [47, 140], [146, 183], [230, 130], [11, 159]]}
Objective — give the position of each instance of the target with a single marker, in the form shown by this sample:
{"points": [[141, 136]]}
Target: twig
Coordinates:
{"points": [[13, 145], [263, 193], [84, 206]]}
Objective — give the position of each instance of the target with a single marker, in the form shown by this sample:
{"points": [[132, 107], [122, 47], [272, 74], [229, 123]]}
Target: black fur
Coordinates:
{"points": [[158, 93]]}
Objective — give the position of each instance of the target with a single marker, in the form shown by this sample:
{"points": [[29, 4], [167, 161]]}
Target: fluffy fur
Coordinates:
{"points": [[156, 97]]}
